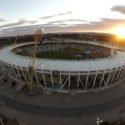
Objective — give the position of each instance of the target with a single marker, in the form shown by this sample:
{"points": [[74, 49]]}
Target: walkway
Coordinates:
{"points": [[65, 105]]}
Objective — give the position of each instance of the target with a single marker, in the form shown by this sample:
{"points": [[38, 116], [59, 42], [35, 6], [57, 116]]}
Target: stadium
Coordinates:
{"points": [[82, 66]]}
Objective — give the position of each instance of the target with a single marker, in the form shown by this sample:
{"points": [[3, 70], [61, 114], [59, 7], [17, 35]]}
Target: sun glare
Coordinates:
{"points": [[120, 32]]}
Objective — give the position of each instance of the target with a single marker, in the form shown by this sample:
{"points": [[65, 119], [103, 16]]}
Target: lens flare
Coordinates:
{"points": [[120, 32]]}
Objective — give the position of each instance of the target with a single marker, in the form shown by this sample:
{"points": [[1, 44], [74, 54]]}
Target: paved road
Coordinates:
{"points": [[63, 112]]}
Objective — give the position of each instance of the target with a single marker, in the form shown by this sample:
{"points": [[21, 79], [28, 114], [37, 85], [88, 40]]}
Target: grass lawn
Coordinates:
{"points": [[55, 55]]}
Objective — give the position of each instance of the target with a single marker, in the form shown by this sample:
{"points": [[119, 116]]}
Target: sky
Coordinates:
{"points": [[27, 16]]}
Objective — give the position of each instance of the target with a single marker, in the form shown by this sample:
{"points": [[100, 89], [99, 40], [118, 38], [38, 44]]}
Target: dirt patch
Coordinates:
{"points": [[7, 121]]}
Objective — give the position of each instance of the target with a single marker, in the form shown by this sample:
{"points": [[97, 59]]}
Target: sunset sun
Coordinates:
{"points": [[120, 32]]}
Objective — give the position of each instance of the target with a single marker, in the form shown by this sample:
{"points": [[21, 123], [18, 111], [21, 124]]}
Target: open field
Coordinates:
{"points": [[55, 55]]}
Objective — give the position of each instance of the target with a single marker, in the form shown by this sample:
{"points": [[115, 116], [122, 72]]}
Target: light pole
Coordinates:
{"points": [[98, 121], [37, 38], [15, 42]]}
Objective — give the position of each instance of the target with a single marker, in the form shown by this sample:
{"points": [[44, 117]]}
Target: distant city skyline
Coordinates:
{"points": [[26, 16]]}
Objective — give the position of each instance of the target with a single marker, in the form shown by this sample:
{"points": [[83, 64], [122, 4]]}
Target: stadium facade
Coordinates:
{"points": [[65, 76]]}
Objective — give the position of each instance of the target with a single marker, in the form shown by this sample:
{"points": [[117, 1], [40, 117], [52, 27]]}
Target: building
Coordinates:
{"points": [[65, 76]]}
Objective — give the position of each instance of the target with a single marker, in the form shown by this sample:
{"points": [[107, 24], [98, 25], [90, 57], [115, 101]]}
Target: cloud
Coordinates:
{"points": [[11, 24], [20, 22], [25, 21], [104, 24], [108, 21], [119, 8], [2, 20], [55, 15], [68, 20]]}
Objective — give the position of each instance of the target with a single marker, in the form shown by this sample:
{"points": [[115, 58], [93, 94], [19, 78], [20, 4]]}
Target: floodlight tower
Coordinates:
{"points": [[17, 36], [37, 38]]}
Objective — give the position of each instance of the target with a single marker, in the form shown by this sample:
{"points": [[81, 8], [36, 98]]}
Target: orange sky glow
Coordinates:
{"points": [[26, 16]]}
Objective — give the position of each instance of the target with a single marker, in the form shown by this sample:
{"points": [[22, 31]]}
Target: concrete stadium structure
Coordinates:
{"points": [[65, 76]]}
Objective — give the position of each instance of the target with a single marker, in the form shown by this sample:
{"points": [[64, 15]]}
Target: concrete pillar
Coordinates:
{"points": [[112, 52]]}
